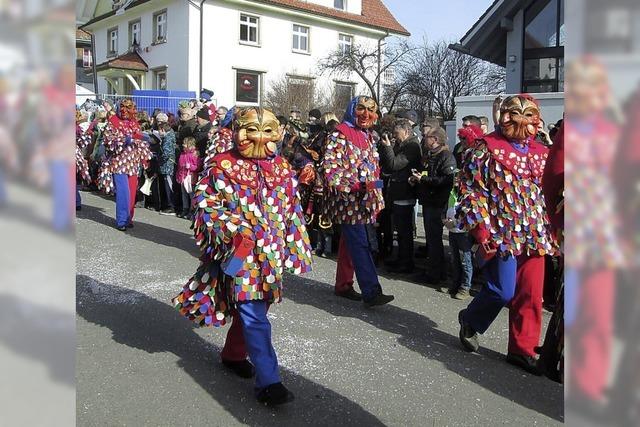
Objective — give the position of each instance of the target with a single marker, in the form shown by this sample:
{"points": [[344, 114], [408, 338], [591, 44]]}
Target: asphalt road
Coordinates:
{"points": [[138, 363]]}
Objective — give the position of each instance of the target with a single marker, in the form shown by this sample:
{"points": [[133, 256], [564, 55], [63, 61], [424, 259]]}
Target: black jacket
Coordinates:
{"points": [[202, 139], [398, 161], [434, 188]]}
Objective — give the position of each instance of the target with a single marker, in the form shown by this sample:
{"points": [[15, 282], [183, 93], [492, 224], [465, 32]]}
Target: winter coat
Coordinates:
{"points": [[434, 187], [168, 154], [398, 162]]}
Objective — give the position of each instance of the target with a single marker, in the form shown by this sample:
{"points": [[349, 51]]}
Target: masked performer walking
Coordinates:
{"points": [[353, 199], [502, 206], [250, 229]]}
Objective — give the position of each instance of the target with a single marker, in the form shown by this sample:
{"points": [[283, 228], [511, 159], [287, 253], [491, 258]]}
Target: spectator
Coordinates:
{"points": [[484, 124], [412, 116], [221, 112], [167, 165], [433, 186], [399, 161], [460, 245], [471, 120], [189, 165], [201, 131]]}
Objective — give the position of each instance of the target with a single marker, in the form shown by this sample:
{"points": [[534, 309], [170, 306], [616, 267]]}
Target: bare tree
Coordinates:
{"points": [[288, 91], [436, 75], [370, 65]]}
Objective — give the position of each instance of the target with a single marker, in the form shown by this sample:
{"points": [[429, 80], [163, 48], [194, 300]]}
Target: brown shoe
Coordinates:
{"points": [[462, 294]]}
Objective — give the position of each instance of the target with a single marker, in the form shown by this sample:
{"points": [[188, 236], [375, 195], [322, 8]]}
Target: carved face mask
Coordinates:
{"points": [[519, 117], [127, 110], [366, 112], [256, 132]]}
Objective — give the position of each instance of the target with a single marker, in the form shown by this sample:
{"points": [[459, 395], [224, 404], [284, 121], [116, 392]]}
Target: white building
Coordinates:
{"points": [[242, 47]]}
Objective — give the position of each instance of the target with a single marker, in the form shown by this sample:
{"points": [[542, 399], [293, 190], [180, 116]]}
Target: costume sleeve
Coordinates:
{"points": [[473, 208], [298, 249], [336, 164], [144, 154], [217, 219]]}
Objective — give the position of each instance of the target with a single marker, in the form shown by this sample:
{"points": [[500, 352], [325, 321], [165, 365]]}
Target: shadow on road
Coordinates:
{"points": [[40, 333], [153, 326], [418, 333], [142, 230]]}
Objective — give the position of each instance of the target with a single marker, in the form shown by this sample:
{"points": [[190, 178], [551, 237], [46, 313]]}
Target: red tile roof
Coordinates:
{"points": [[128, 61], [82, 35], [374, 14]]}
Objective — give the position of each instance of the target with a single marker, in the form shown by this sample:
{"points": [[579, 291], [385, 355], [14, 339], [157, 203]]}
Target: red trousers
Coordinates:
{"points": [[344, 270], [133, 191], [592, 333]]}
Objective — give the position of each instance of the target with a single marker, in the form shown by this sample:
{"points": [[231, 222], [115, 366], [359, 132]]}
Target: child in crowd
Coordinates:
{"points": [[189, 165], [460, 244]]}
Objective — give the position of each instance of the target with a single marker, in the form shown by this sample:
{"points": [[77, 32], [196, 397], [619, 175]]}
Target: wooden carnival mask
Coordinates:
{"points": [[519, 117], [366, 112], [256, 132]]}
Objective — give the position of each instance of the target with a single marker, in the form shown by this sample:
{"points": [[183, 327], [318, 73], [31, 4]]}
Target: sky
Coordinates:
{"points": [[437, 19]]}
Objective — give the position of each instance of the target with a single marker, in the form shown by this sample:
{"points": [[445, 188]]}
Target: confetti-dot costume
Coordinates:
{"points": [[125, 151], [500, 190], [501, 199], [83, 139], [349, 168], [244, 200]]}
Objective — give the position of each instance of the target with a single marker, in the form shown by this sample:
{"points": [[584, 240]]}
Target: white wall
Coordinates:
{"points": [[173, 54], [224, 53]]}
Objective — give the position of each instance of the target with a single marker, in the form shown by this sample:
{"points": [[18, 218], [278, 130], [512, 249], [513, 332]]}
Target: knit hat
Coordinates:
{"points": [[409, 115], [162, 118], [315, 113], [203, 113]]}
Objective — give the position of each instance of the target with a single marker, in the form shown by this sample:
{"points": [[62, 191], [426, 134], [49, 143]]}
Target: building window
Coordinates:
{"points": [[249, 26], [248, 87], [340, 4], [160, 79], [343, 94], [87, 59], [300, 38], [112, 41], [544, 36], [344, 43], [160, 27], [134, 33]]}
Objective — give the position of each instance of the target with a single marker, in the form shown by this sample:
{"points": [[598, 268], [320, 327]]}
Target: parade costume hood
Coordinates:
{"points": [[519, 117], [127, 110], [360, 116], [470, 134], [256, 132]]}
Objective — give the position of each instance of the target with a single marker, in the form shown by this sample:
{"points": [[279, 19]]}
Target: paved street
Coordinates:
{"points": [[139, 363]]}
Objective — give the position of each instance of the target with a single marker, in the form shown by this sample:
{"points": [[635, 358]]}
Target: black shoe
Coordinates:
{"points": [[180, 215], [274, 394], [169, 211], [380, 299], [468, 337], [123, 228], [130, 225], [350, 294], [391, 263], [243, 368], [78, 208], [528, 363]]}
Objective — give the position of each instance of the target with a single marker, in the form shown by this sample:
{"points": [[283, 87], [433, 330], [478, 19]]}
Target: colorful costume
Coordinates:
{"points": [[353, 197], [502, 206], [126, 151], [83, 139], [250, 229]]}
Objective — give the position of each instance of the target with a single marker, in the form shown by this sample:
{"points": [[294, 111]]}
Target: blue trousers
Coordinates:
{"points": [[357, 241], [121, 183], [257, 337], [461, 258], [497, 292]]}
